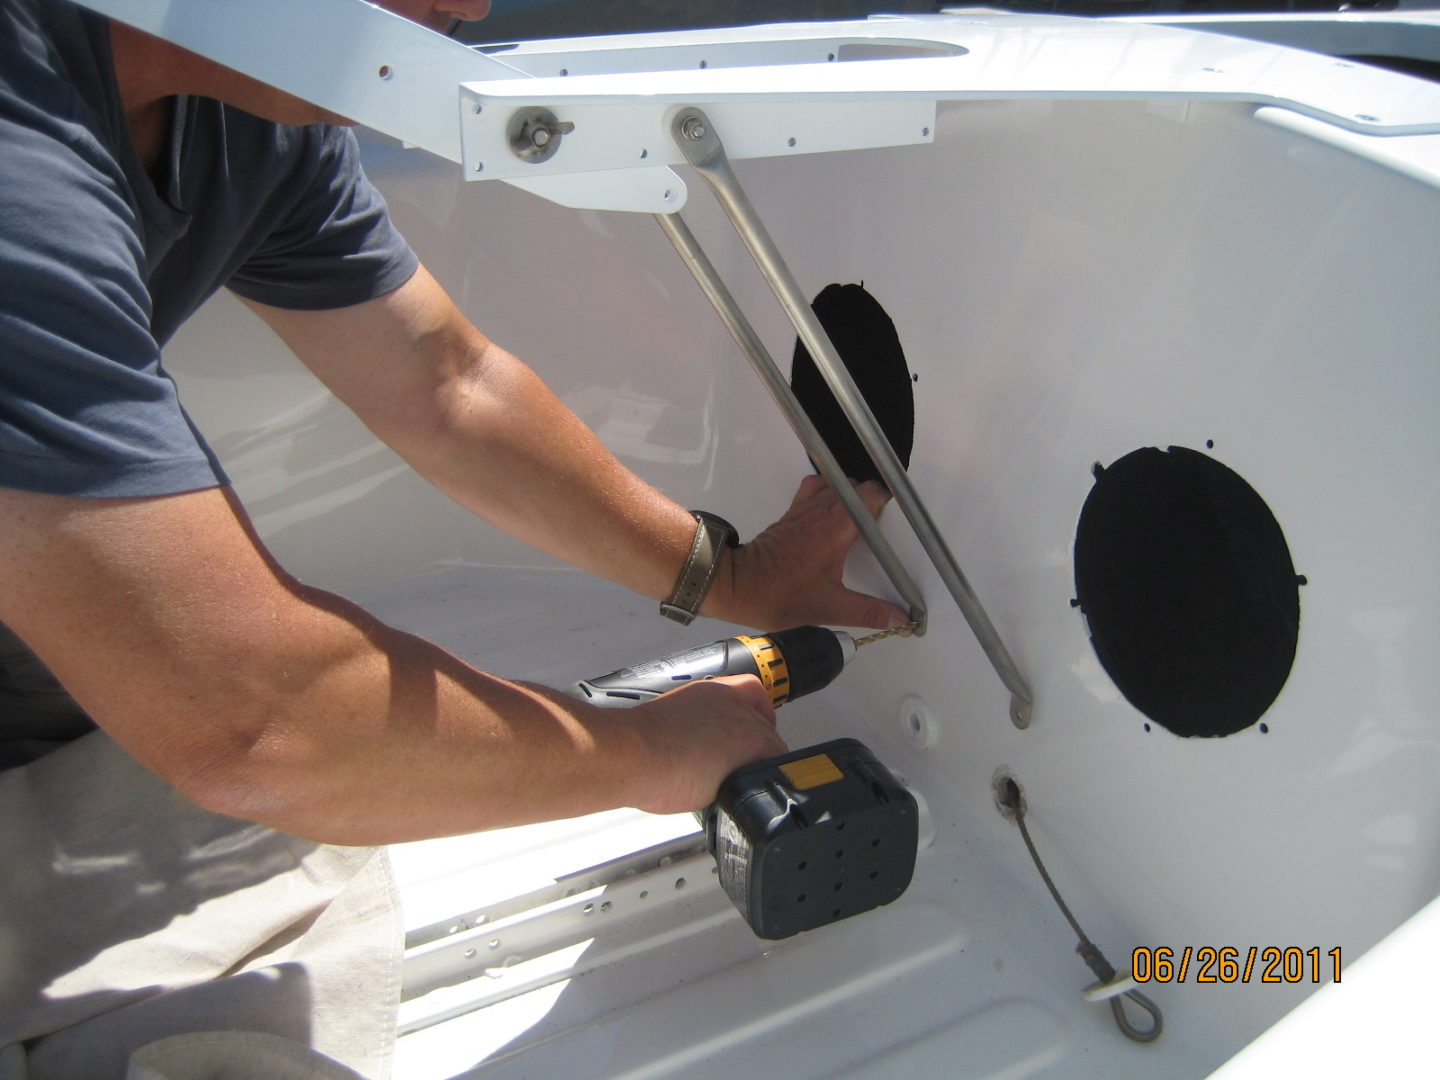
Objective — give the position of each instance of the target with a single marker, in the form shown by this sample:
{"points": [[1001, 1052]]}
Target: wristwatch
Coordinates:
{"points": [[712, 535]]}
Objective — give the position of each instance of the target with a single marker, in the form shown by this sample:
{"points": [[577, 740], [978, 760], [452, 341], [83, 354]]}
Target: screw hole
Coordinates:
{"points": [[791, 141], [1009, 797], [679, 883], [800, 899], [385, 71], [802, 866]]}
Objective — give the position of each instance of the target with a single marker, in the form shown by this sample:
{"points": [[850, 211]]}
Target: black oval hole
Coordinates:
{"points": [[1186, 582], [866, 340]]}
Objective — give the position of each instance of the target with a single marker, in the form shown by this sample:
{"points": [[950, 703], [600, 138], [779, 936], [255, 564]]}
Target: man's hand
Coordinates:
{"points": [[700, 734], [791, 574]]}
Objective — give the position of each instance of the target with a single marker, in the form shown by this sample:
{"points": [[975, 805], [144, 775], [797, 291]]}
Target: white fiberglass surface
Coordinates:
{"points": [[1070, 282]]}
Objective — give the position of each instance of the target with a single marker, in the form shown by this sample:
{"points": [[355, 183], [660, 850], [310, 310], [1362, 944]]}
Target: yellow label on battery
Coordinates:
{"points": [[811, 772]]}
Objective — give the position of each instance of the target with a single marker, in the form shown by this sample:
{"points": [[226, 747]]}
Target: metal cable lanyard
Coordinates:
{"points": [[1112, 987]]}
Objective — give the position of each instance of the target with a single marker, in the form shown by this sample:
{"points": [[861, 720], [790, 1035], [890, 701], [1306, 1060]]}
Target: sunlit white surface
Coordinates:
{"points": [[1071, 281]]}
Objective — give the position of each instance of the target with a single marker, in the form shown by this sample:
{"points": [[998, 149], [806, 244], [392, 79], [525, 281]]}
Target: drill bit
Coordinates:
{"points": [[904, 630]]}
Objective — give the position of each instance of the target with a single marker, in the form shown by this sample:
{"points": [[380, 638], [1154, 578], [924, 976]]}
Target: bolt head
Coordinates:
{"points": [[540, 137], [693, 129]]}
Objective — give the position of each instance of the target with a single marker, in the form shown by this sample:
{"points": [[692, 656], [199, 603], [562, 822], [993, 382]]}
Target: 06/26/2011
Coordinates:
{"points": [[1231, 964]]}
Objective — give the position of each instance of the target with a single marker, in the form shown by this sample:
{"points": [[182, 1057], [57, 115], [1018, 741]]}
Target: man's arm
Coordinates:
{"points": [[261, 698], [485, 429]]}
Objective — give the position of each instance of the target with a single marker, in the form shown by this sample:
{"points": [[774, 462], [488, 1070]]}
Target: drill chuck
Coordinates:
{"points": [[790, 664]]}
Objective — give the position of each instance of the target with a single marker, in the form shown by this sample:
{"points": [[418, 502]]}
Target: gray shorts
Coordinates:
{"points": [[128, 915]]}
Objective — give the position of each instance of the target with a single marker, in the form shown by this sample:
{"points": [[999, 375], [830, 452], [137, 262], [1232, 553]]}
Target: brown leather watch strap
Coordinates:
{"points": [[712, 535]]}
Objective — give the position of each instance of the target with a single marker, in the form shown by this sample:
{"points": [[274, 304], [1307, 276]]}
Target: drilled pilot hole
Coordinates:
{"points": [[1188, 589], [864, 336]]}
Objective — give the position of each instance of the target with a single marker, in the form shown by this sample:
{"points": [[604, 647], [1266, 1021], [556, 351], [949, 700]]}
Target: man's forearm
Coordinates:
{"points": [[263, 699], [516, 455], [481, 426]]}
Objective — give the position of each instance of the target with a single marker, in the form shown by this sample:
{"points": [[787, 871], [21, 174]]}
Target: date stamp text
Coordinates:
{"points": [[1234, 964]]}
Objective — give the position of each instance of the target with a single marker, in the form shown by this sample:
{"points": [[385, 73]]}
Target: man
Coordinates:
{"points": [[135, 178]]}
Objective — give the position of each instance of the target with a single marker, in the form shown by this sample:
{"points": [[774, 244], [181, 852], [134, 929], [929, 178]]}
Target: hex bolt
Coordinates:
{"points": [[693, 128]]}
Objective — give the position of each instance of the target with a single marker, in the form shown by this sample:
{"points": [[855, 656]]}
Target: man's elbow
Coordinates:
{"points": [[256, 780]]}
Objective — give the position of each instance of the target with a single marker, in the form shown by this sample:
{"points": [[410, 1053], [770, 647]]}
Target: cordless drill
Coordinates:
{"points": [[809, 837]]}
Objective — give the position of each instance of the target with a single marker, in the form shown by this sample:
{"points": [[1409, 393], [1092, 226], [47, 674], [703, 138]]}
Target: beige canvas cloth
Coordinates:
{"points": [[129, 916]]}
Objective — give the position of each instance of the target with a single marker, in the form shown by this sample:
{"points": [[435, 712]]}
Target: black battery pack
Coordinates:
{"points": [[812, 837]]}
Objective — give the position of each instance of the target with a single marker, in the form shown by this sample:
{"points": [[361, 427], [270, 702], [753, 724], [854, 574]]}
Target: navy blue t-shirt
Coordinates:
{"points": [[100, 263]]}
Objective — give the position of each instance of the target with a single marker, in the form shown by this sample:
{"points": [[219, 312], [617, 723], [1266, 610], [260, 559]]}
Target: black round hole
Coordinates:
{"points": [[802, 866], [866, 340], [1188, 589], [800, 899]]}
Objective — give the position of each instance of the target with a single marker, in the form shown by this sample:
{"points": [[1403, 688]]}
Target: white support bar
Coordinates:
{"points": [[347, 56], [360, 61], [621, 132]]}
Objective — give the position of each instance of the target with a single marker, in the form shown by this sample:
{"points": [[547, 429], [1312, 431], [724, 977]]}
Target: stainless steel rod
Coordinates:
{"points": [[700, 144], [720, 297]]}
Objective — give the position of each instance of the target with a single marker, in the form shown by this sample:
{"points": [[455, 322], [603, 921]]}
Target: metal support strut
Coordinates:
{"points": [[764, 365], [700, 144]]}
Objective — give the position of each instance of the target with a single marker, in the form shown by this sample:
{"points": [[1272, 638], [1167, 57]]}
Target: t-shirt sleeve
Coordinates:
{"points": [[85, 408], [335, 245]]}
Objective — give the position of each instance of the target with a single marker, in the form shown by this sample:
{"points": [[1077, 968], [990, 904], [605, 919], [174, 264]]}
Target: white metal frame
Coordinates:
{"points": [[418, 86]]}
